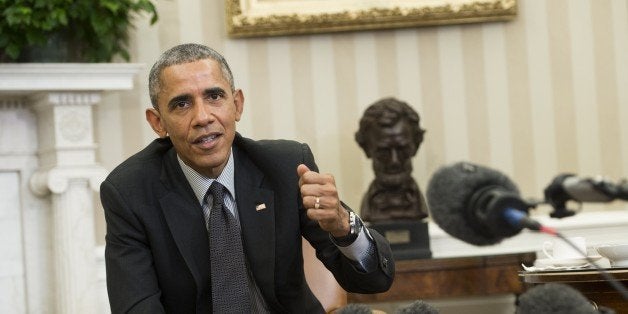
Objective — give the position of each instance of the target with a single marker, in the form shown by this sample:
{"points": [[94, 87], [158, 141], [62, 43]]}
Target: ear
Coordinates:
{"points": [[154, 119], [238, 99]]}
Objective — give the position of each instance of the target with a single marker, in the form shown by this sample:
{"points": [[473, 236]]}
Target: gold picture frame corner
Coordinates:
{"points": [[241, 24]]}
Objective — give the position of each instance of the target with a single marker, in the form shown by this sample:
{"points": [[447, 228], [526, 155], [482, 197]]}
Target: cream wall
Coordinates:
{"points": [[542, 94]]}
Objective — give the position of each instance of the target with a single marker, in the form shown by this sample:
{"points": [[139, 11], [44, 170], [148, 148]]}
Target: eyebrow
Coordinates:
{"points": [[188, 97], [214, 90]]}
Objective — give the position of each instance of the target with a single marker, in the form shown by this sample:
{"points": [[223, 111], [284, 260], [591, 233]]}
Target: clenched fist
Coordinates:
{"points": [[320, 198]]}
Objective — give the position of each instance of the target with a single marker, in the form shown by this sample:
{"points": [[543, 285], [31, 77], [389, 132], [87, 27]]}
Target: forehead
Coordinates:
{"points": [[200, 70], [401, 128], [400, 133]]}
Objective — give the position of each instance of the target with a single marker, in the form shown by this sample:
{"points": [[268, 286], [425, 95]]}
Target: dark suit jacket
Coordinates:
{"points": [[157, 255]]}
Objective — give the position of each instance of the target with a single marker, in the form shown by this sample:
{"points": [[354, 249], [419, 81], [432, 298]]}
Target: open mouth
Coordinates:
{"points": [[207, 140]]}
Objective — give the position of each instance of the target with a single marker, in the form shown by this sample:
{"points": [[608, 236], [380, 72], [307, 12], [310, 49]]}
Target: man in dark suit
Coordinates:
{"points": [[158, 209]]}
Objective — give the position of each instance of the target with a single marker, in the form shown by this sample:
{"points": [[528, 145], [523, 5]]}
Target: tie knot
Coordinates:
{"points": [[217, 192]]}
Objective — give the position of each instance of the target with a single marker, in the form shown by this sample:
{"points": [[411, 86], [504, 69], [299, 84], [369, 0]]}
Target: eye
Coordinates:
{"points": [[181, 104], [382, 153], [215, 95]]}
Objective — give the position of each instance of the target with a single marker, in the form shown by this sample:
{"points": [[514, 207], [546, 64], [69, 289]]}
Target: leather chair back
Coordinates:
{"points": [[321, 281]]}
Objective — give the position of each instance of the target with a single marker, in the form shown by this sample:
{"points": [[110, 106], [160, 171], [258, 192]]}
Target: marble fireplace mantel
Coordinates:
{"points": [[28, 78], [48, 164]]}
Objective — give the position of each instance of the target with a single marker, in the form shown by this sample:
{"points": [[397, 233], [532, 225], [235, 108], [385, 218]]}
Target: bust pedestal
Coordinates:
{"points": [[408, 239]]}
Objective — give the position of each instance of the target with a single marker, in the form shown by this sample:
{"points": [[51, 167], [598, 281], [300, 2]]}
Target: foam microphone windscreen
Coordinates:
{"points": [[449, 195], [555, 298], [418, 307], [355, 308]]}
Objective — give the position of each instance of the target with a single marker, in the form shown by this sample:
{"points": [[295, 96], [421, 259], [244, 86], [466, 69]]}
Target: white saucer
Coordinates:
{"points": [[567, 262], [623, 263]]}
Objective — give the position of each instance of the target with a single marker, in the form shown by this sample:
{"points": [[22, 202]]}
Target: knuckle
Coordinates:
{"points": [[329, 189], [334, 203]]}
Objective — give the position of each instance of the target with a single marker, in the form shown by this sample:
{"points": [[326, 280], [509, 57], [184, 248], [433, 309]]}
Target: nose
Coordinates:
{"points": [[203, 113]]}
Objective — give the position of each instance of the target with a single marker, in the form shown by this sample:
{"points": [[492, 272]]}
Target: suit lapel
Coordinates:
{"points": [[185, 219], [257, 220], [256, 212]]}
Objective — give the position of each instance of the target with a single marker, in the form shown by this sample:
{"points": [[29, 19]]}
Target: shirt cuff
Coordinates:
{"points": [[360, 251]]}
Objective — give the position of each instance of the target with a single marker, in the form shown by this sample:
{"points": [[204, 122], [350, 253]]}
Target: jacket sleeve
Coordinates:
{"points": [[344, 270], [131, 279]]}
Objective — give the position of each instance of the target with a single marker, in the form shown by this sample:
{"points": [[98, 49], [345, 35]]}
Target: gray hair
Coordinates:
{"points": [[180, 54]]}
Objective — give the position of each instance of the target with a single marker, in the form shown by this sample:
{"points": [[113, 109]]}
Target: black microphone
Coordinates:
{"points": [[481, 206], [556, 298], [569, 187], [478, 205]]}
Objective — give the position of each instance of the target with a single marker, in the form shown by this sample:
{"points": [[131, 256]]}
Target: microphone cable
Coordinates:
{"points": [[519, 218], [605, 274]]}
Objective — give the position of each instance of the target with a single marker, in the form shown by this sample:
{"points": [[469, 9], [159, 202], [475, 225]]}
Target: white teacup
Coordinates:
{"points": [[562, 250], [617, 254]]}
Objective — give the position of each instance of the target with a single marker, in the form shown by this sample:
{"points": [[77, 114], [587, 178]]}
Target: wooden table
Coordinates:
{"points": [[452, 277], [589, 282]]}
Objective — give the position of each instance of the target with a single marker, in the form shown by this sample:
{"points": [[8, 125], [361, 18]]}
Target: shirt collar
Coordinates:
{"points": [[200, 183]]}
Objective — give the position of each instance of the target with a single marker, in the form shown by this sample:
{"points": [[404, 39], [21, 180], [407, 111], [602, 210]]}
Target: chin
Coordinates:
{"points": [[393, 179], [205, 163], [215, 159]]}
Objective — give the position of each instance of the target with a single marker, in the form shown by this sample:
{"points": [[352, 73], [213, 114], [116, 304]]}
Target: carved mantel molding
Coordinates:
{"points": [[27, 78], [62, 96]]}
